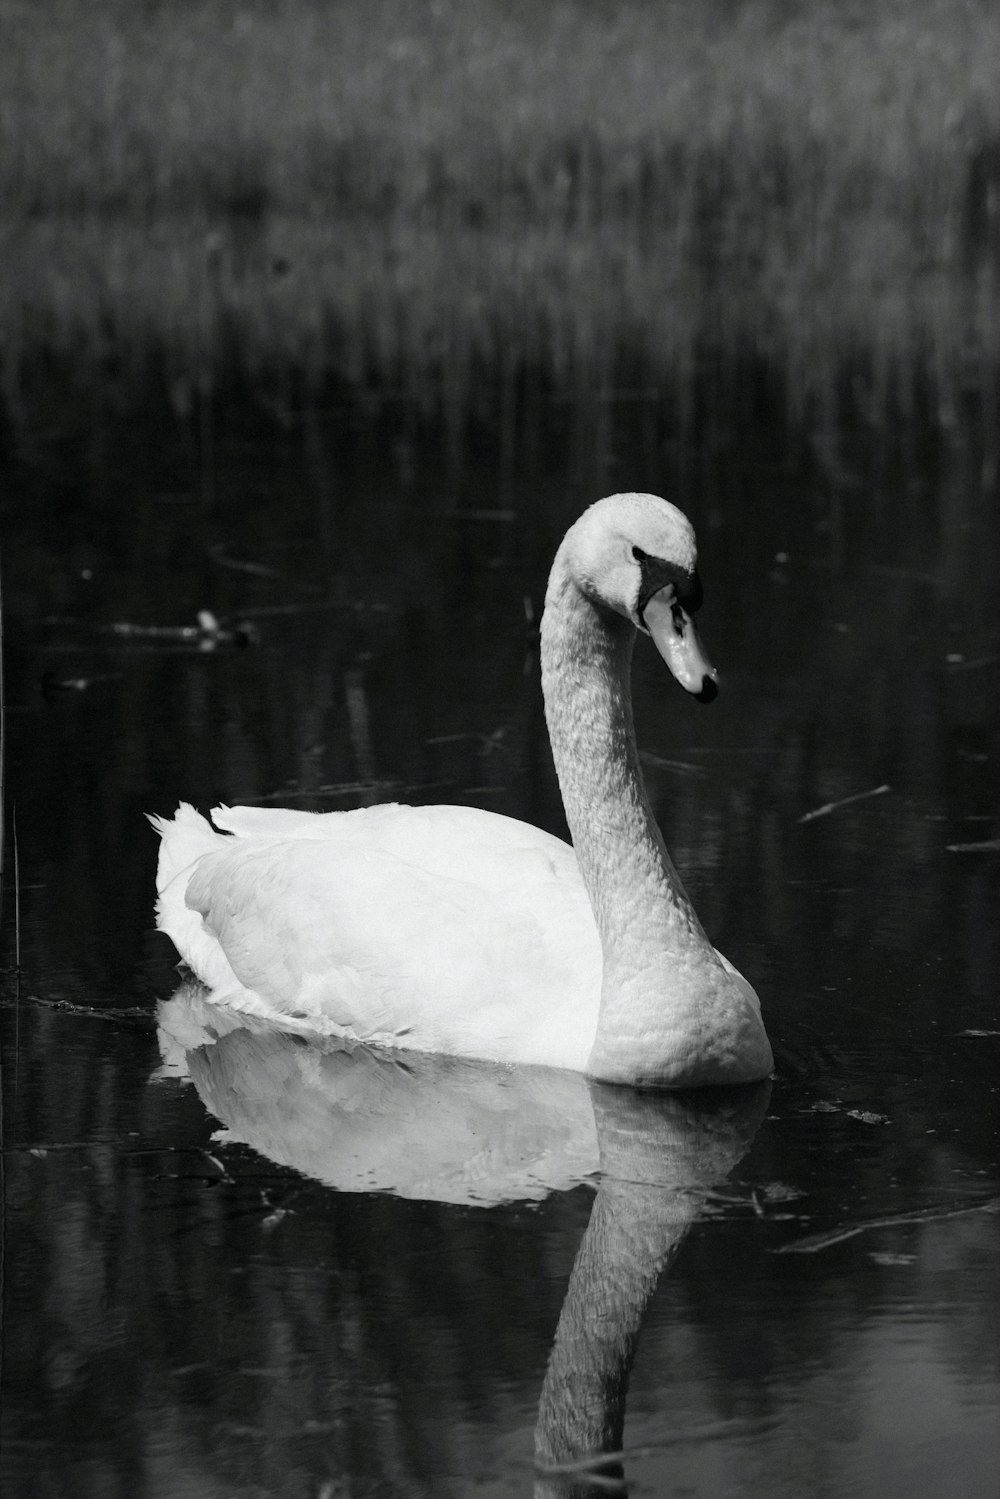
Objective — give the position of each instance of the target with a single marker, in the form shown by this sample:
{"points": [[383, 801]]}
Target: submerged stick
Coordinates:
{"points": [[845, 801]]}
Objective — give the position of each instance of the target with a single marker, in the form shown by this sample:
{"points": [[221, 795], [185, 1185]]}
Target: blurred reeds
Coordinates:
{"points": [[442, 198]]}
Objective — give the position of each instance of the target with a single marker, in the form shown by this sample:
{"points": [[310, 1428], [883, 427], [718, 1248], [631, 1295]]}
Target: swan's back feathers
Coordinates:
{"points": [[411, 926], [443, 838]]}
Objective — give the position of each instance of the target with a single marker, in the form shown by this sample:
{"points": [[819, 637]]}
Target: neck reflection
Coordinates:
{"points": [[449, 1130]]}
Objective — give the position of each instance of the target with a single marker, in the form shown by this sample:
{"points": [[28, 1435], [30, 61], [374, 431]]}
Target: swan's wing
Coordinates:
{"points": [[440, 838], [437, 929]]}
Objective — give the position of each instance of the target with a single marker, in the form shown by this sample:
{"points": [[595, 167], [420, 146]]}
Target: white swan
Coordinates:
{"points": [[454, 930]]}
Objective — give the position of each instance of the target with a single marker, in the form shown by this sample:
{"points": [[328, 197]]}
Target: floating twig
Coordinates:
{"points": [[207, 633], [591, 1469], [845, 801], [679, 767], [238, 565], [54, 1147], [487, 742], [812, 1243], [710, 1431], [51, 684], [958, 663], [94, 1012]]}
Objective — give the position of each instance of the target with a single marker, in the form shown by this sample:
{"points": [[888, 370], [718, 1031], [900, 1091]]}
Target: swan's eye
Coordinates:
{"points": [[692, 596], [639, 554]]}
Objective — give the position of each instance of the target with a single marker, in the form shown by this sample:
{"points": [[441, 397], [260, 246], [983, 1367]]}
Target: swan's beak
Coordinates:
{"points": [[676, 639]]}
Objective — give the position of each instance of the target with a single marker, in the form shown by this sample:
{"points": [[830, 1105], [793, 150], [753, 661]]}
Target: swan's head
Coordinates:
{"points": [[636, 554]]}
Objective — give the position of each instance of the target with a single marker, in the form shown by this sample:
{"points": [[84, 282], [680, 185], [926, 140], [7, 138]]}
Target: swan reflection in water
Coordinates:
{"points": [[443, 1129]]}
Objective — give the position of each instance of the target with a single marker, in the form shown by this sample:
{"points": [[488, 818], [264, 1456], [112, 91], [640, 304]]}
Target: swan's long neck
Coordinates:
{"points": [[656, 954]]}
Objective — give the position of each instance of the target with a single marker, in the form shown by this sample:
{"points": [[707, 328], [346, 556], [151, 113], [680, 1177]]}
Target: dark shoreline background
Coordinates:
{"points": [[720, 216]]}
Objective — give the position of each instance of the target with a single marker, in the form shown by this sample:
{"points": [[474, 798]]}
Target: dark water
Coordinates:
{"points": [[216, 1284]]}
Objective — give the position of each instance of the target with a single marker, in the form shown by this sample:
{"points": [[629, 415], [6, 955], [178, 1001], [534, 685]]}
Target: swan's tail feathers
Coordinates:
{"points": [[185, 839]]}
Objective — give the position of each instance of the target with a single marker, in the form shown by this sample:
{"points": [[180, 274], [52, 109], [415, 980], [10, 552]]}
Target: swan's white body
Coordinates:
{"points": [[454, 930], [446, 929]]}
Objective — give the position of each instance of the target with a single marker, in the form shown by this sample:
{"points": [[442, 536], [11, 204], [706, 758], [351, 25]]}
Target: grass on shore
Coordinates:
{"points": [[405, 193]]}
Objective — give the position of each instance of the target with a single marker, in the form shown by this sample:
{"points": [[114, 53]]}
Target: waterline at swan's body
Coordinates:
{"points": [[459, 931]]}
